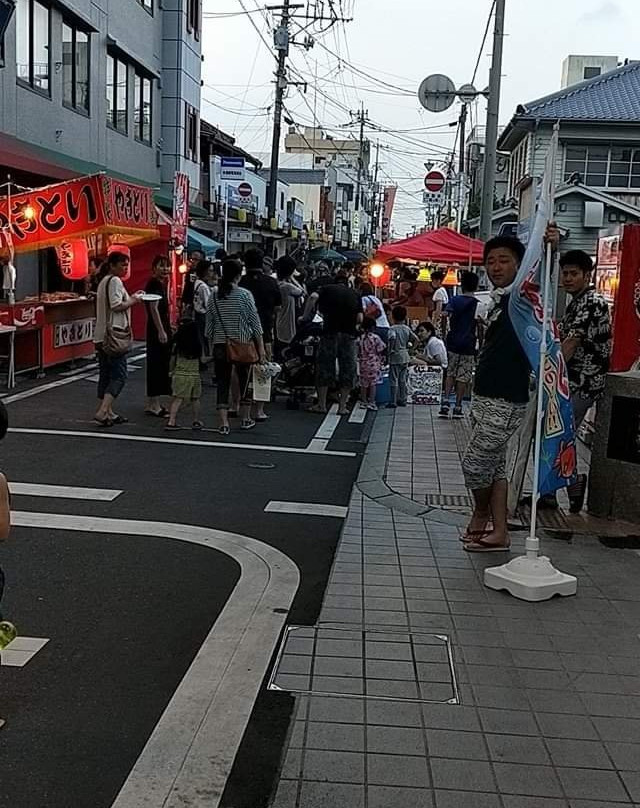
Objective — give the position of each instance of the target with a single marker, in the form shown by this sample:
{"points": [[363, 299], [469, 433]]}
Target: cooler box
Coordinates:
{"points": [[383, 389]]}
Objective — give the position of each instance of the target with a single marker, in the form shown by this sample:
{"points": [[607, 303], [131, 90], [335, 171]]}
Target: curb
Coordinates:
{"points": [[371, 482]]}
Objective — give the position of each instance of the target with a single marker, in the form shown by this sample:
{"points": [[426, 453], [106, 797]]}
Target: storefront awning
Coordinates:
{"points": [[197, 241], [88, 206]]}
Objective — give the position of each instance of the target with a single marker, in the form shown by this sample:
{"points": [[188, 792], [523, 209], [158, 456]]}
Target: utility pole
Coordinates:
{"points": [[282, 40], [493, 113], [374, 197], [362, 117], [462, 185]]}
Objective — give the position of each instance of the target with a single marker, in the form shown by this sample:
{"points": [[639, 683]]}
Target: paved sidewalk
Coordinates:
{"points": [[549, 712]]}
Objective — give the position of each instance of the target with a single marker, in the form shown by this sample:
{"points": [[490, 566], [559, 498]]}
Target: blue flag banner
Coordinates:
{"points": [[558, 457]]}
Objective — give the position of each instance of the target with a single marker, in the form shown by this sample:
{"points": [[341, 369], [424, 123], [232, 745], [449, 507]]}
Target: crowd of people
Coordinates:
{"points": [[246, 310]]}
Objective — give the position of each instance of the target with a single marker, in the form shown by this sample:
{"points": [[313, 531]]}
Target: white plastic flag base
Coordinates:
{"points": [[531, 579]]}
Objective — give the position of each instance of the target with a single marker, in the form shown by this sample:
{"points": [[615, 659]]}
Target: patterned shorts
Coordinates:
{"points": [[495, 421], [337, 352], [461, 367]]}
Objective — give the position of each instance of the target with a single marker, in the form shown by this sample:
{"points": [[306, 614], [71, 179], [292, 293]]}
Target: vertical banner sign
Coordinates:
{"points": [[626, 310], [387, 211], [180, 207], [526, 309]]}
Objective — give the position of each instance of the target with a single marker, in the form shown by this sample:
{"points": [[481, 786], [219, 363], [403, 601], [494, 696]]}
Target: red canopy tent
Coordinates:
{"points": [[442, 246]]}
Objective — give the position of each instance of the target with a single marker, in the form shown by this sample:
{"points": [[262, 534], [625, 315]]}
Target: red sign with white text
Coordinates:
{"points": [[48, 216], [24, 316], [626, 309]]}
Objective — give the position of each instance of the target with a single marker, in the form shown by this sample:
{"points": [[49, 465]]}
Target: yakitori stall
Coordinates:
{"points": [[50, 235]]}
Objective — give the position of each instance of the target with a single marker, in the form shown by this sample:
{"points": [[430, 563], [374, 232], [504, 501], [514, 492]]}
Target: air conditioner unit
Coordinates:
{"points": [[593, 214]]}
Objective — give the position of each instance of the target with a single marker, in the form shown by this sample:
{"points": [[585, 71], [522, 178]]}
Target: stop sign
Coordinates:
{"points": [[244, 189], [435, 181]]}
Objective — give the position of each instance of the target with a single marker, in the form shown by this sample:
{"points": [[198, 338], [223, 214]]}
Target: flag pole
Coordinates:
{"points": [[533, 542]]}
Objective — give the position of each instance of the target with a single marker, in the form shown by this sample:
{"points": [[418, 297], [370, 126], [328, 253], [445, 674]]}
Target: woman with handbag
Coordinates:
{"points": [[372, 307], [234, 329], [112, 336]]}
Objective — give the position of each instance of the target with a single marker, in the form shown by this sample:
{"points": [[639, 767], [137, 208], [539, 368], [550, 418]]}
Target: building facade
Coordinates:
{"points": [[101, 85]]}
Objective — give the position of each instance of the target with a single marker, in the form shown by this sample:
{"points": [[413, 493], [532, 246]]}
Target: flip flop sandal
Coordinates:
{"points": [[105, 423], [473, 535], [162, 413], [480, 546], [346, 412], [120, 419], [224, 430]]}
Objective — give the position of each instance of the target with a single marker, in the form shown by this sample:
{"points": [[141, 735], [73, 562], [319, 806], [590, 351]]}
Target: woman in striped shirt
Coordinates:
{"points": [[232, 314]]}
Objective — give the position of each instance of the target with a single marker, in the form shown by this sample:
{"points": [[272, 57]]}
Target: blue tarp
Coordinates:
{"points": [[196, 241]]}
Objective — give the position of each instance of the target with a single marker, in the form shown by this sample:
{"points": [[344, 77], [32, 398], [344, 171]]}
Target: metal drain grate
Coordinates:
{"points": [[352, 663], [448, 500]]}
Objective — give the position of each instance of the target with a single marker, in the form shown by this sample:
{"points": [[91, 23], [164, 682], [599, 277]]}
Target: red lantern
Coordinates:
{"points": [[125, 250], [73, 257]]}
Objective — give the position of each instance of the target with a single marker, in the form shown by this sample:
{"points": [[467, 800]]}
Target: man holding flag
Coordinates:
{"points": [[520, 339]]}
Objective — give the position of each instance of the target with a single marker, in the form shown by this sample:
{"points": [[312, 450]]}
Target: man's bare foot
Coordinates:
{"points": [[490, 543]]}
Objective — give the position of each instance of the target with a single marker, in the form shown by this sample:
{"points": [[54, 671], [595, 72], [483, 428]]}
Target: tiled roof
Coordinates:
{"points": [[613, 96]]}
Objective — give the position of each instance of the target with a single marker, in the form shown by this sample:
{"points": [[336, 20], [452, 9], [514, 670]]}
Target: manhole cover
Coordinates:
{"points": [[262, 466], [351, 663]]}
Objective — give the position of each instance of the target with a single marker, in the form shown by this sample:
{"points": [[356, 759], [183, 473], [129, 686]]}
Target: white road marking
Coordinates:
{"points": [[70, 377], [203, 444], [64, 492], [358, 414], [329, 424], [189, 755], [306, 508], [21, 650]]}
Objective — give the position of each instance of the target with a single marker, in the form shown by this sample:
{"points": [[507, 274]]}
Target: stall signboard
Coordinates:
{"points": [[24, 316], [424, 384], [74, 333], [626, 309], [180, 207], [74, 209]]}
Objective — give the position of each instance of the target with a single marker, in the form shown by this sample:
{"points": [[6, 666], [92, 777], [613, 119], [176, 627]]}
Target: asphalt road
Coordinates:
{"points": [[126, 615]]}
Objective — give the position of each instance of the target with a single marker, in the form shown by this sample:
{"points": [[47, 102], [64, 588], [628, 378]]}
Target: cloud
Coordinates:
{"points": [[607, 10]]}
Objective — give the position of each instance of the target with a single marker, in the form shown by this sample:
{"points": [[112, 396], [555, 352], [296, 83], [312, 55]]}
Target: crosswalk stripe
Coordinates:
{"points": [[306, 508], [64, 492]]}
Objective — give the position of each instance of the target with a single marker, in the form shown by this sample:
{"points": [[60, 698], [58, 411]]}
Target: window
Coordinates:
{"points": [[142, 107], [117, 93], [519, 165], [193, 17], [75, 67], [191, 133], [33, 21], [592, 72], [603, 166]]}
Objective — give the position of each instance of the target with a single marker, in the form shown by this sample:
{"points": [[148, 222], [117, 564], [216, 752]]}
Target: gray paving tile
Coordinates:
{"points": [[396, 770], [292, 681], [390, 689], [508, 722], [296, 739], [618, 729], [470, 775], [338, 684], [292, 765], [610, 705], [339, 648], [589, 784], [389, 651], [395, 740], [331, 795], [386, 796], [555, 701], [390, 670], [336, 666], [328, 708], [292, 663], [502, 697], [599, 804], [465, 799], [333, 767], [455, 744], [555, 725], [389, 714], [624, 755], [534, 781], [583, 754], [445, 716], [536, 659], [340, 737], [286, 795], [632, 782], [518, 801], [302, 645], [517, 749]]}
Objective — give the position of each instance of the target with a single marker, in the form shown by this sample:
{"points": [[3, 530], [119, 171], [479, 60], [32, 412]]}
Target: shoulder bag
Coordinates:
{"points": [[244, 353], [117, 339], [371, 308]]}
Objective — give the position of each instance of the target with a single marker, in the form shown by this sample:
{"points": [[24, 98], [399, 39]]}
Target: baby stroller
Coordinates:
{"points": [[298, 377]]}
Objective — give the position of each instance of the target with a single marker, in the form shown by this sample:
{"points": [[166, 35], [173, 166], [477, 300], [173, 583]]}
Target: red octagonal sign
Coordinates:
{"points": [[435, 181], [245, 190]]}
